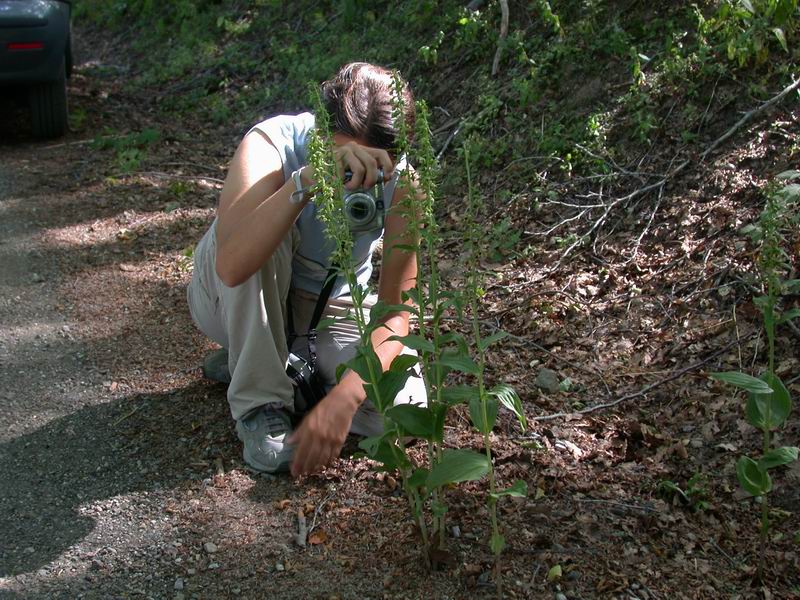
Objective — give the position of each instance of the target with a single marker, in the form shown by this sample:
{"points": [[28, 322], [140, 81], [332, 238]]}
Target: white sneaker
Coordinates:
{"points": [[264, 432]]}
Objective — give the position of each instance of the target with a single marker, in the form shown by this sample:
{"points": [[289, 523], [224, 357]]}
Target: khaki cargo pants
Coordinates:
{"points": [[250, 321]]}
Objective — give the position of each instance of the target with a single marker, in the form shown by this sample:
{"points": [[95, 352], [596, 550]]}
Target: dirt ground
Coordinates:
{"points": [[122, 476]]}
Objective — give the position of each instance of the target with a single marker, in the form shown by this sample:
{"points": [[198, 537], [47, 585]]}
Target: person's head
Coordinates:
{"points": [[358, 100]]}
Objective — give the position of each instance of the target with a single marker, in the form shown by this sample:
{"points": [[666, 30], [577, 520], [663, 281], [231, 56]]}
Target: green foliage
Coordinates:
{"points": [[695, 496], [769, 403], [748, 29], [130, 149]]}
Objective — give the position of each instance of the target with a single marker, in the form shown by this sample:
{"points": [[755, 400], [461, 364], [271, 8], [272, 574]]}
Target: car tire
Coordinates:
{"points": [[49, 107]]}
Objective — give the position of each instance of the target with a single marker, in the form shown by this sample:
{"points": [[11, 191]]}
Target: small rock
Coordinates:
{"points": [[213, 565], [455, 531], [179, 583], [210, 547], [560, 596], [279, 567], [191, 571], [547, 379], [29, 550], [179, 596]]}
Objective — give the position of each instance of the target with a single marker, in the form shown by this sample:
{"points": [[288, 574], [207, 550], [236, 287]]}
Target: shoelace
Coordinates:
{"points": [[274, 421]]}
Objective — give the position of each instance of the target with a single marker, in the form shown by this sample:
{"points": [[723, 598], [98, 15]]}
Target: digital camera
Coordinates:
{"points": [[364, 209]]}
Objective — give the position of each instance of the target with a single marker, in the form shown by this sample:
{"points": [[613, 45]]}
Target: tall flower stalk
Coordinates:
{"points": [[380, 387], [483, 406]]}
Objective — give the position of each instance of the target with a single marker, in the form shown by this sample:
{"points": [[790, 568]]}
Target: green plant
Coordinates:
{"points": [[430, 53], [130, 149], [503, 239], [769, 403], [747, 28], [695, 496], [424, 483], [483, 406]]}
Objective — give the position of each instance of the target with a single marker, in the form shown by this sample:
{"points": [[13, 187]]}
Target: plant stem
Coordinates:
{"points": [[473, 290]]}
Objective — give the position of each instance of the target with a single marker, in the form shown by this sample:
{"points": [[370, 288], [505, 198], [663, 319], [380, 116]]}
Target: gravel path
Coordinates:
{"points": [[73, 499]]}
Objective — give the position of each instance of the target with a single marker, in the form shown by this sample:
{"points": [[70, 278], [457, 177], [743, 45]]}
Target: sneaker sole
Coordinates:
{"points": [[248, 459]]}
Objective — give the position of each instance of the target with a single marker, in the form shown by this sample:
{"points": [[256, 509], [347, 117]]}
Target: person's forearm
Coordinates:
{"points": [[244, 246], [351, 385]]}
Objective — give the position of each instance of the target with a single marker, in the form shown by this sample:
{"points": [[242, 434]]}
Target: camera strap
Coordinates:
{"points": [[322, 301]]}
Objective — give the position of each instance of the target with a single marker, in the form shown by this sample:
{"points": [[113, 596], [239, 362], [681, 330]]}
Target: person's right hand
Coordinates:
{"points": [[362, 161]]}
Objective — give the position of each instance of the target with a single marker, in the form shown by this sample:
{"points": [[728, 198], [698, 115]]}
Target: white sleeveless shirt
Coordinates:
{"points": [[289, 134]]}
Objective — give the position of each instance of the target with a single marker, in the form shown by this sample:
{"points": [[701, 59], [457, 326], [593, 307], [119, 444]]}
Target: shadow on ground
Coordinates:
{"points": [[135, 443]]}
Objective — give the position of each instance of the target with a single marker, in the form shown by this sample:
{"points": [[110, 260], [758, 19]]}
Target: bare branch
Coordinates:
{"points": [[750, 114], [648, 387], [503, 34]]}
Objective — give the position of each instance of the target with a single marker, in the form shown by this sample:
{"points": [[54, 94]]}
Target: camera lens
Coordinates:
{"points": [[360, 209]]}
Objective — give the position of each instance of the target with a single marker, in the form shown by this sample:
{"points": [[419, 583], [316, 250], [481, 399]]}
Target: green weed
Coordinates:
{"points": [[748, 29], [130, 149], [769, 402]]}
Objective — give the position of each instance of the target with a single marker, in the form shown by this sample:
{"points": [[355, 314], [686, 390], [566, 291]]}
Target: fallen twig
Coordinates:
{"points": [[319, 508], [732, 562], [302, 531], [123, 417], [750, 114], [648, 387], [449, 139], [647, 228]]}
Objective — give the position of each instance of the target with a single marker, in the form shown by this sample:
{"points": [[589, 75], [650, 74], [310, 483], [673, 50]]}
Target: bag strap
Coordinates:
{"points": [[322, 301]]}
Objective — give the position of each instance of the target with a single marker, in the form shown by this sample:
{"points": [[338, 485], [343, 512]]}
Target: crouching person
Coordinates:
{"points": [[264, 261]]}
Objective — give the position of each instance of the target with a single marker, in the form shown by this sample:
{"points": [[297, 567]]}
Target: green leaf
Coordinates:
{"points": [[748, 5], [554, 573], [781, 38], [325, 323], [509, 398], [365, 360], [381, 309], [458, 394], [385, 451], [414, 342], [497, 544], [476, 411], [413, 293], [788, 175], [789, 315], [455, 338], [403, 362], [519, 490], [744, 381], [459, 362], [390, 384], [777, 405], [753, 480], [778, 457], [784, 10], [418, 477], [439, 415], [456, 466], [484, 343], [415, 420]]}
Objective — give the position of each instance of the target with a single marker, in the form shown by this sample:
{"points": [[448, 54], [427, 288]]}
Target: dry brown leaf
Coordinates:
{"points": [[317, 537]]}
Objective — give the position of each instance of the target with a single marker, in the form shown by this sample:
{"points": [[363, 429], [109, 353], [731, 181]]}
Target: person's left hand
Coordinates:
{"points": [[322, 433]]}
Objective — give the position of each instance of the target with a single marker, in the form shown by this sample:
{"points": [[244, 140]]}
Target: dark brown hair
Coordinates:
{"points": [[359, 101]]}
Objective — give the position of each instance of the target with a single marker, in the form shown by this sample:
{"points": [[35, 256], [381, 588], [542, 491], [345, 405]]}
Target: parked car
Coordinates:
{"points": [[36, 55]]}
